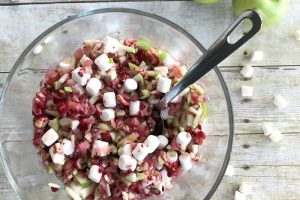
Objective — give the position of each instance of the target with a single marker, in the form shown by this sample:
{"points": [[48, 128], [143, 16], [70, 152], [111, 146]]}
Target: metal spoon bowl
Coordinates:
{"points": [[217, 52]]}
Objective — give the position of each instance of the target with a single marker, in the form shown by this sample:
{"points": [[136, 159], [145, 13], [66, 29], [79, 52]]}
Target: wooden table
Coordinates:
{"points": [[273, 169]]}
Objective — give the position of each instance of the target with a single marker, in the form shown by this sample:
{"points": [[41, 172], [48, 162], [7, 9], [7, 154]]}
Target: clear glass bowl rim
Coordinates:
{"points": [[124, 10]]}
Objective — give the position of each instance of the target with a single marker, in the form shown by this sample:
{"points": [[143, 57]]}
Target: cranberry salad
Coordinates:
{"points": [[94, 126]]}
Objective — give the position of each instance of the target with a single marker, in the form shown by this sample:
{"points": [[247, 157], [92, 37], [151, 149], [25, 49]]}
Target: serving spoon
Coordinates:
{"points": [[217, 52]]}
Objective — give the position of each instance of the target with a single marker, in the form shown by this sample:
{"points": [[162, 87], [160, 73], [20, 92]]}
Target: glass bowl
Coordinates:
{"points": [[19, 157]]}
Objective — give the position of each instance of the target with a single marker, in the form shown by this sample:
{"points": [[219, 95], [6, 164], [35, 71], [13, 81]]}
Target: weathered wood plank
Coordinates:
{"points": [[206, 23]]}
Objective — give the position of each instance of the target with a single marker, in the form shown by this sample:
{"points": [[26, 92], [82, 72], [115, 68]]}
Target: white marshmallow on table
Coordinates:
{"points": [[101, 148], [245, 188], [94, 174], [140, 151], [107, 114], [38, 49], [163, 141], [109, 99], [186, 161], [67, 147], [103, 62], [183, 139], [164, 84], [74, 124], [297, 35], [134, 107], [165, 114], [111, 45], [57, 158], [125, 150], [162, 70], [229, 171], [280, 102], [127, 163], [169, 61], [49, 137], [152, 143], [79, 88], [257, 55], [239, 196], [172, 156], [267, 128], [63, 78], [178, 98], [93, 86], [276, 136], [130, 85], [247, 71], [81, 80], [247, 91]]}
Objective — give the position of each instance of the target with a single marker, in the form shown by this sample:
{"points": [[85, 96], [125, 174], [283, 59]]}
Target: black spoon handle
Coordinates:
{"points": [[220, 50]]}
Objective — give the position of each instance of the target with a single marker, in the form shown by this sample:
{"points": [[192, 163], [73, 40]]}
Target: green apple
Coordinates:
{"points": [[206, 1], [271, 11]]}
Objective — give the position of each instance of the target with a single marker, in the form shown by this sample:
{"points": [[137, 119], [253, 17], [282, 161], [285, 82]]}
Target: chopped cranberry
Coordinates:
{"points": [[152, 57], [54, 189], [83, 148], [62, 108], [175, 71], [195, 97], [122, 100], [79, 53], [106, 136], [155, 191]]}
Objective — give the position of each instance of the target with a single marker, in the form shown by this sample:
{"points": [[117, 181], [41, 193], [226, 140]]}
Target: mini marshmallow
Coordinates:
{"points": [[48, 39], [245, 188], [140, 151], [257, 55], [94, 174], [81, 80], [152, 143], [267, 128], [239, 196], [130, 85], [49, 137], [109, 99], [79, 88], [63, 78], [134, 107], [172, 156], [297, 35], [183, 139], [67, 147], [165, 114], [38, 49], [163, 141], [276, 136], [162, 70], [186, 161], [280, 102], [125, 150], [247, 91], [101, 148], [74, 124], [229, 171], [247, 71], [111, 45], [127, 163], [107, 114], [164, 176], [164, 84], [112, 74], [103, 62], [169, 61], [57, 158], [93, 86]]}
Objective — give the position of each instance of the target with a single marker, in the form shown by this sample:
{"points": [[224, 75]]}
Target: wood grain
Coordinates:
{"points": [[206, 23]]}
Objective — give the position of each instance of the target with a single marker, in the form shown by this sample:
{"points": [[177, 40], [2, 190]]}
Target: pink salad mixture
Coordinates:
{"points": [[94, 125]]}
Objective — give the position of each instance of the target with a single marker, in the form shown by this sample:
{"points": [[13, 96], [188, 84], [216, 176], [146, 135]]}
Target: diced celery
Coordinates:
{"points": [[152, 73], [68, 89], [111, 61], [72, 194], [83, 181], [56, 85], [133, 67], [189, 119], [85, 192], [183, 70], [93, 100], [143, 43], [54, 123], [197, 88], [49, 170], [113, 149], [129, 49], [140, 79], [131, 177], [104, 127], [52, 113], [120, 113], [204, 111], [162, 55], [140, 176], [130, 138], [146, 93]]}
